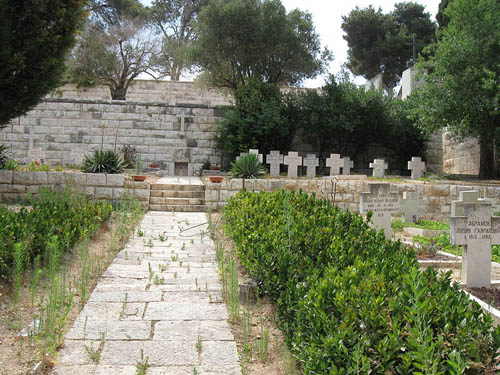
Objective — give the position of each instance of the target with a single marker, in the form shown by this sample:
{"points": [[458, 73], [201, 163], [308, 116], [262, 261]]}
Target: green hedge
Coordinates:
{"points": [[68, 216], [351, 302]]}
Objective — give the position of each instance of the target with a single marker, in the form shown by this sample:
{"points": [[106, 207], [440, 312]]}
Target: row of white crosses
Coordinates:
{"points": [[334, 162], [415, 165]]}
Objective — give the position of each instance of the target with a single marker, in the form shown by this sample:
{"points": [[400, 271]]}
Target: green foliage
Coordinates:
{"points": [[383, 43], [260, 119], [35, 37], [462, 89], [60, 215], [351, 301], [248, 166], [174, 20], [346, 119], [4, 156], [256, 39], [113, 56], [103, 162], [398, 224]]}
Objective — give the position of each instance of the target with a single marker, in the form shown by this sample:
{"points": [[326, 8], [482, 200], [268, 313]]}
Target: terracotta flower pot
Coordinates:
{"points": [[213, 168], [154, 165], [216, 179], [139, 178]]}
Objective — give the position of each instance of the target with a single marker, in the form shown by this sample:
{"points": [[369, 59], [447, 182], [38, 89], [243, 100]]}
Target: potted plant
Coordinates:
{"points": [[216, 179], [138, 169], [154, 165]]}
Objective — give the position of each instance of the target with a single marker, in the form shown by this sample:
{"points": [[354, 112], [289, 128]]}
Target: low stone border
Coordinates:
{"points": [[16, 185], [438, 196]]}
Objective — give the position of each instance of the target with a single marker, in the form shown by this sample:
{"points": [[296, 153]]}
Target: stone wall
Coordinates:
{"points": [[460, 157], [438, 196], [19, 185], [434, 153], [168, 92], [63, 131]]}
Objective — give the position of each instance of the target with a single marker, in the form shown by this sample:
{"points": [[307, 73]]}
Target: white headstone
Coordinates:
{"points": [[335, 163], [256, 153], [274, 159], [34, 153], [476, 230], [417, 167], [311, 162], [411, 206], [382, 203], [293, 160], [379, 166], [348, 164]]}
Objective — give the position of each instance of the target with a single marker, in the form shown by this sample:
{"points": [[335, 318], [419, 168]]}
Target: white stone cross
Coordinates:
{"points": [[417, 167], [293, 160], [411, 206], [335, 163], [382, 203], [379, 166], [274, 159], [348, 164], [311, 162], [256, 153], [476, 230]]}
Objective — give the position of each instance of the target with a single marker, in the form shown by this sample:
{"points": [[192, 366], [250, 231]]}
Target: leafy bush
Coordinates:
{"points": [[351, 301], [103, 162], [63, 214], [247, 166], [258, 120]]}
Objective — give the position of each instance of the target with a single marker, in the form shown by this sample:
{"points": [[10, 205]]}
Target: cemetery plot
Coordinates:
{"points": [[382, 203]]}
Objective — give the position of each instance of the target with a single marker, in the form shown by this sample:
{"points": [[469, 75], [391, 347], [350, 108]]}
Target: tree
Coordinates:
{"points": [[239, 40], [113, 56], [111, 12], [174, 20], [384, 43], [462, 88], [258, 120], [441, 18], [35, 37]]}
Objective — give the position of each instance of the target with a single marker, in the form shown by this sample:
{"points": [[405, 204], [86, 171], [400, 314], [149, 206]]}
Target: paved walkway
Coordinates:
{"points": [[161, 295]]}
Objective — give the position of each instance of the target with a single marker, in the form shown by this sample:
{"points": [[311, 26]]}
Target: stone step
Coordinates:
{"points": [[177, 208], [178, 187], [177, 201], [177, 194]]}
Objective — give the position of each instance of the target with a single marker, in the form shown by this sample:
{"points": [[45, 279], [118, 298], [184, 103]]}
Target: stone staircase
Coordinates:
{"points": [[177, 195]]}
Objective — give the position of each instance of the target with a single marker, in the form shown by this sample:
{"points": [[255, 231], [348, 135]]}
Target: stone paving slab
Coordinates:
{"points": [[161, 297]]}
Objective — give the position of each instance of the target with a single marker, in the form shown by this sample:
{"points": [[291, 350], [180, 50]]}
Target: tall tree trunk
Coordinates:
{"points": [[487, 158], [118, 92]]}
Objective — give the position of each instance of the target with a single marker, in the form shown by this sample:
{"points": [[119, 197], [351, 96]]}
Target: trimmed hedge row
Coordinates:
{"points": [[350, 301], [64, 214]]}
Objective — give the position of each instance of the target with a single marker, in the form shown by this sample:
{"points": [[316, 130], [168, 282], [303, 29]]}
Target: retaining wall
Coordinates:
{"points": [[19, 185], [438, 196]]}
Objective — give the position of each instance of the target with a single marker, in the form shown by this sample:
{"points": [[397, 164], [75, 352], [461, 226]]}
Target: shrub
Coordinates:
{"points": [[103, 162], [258, 120], [247, 166], [63, 214], [351, 301]]}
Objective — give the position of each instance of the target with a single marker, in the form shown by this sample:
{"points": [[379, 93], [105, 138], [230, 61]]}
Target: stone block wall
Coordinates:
{"points": [[169, 92], [438, 196], [460, 157], [16, 185], [63, 131], [434, 153]]}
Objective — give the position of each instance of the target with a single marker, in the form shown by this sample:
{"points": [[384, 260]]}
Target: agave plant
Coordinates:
{"points": [[4, 156], [103, 162], [248, 166]]}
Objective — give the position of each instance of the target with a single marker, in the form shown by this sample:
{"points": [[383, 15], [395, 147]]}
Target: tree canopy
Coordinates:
{"points": [[462, 88], [35, 37], [174, 20], [239, 40], [383, 43], [113, 56]]}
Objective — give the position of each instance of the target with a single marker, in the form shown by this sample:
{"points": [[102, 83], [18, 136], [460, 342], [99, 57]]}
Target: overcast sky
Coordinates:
{"points": [[327, 17]]}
